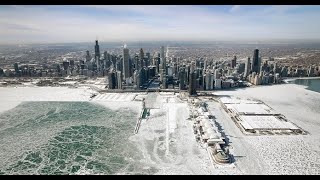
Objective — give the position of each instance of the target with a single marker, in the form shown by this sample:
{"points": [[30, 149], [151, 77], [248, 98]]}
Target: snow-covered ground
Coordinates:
{"points": [[167, 142], [277, 154]]}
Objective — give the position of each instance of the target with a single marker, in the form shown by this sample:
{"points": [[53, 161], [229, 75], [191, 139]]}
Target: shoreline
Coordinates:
{"points": [[295, 78]]}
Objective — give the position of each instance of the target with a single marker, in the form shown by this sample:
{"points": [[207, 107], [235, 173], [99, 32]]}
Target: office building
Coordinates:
{"points": [[125, 63], [192, 84], [256, 62]]}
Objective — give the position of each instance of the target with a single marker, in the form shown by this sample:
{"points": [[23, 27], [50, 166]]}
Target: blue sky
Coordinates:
{"points": [[33, 24]]}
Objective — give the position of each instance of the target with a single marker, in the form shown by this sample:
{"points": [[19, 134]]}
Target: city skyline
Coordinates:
{"points": [[60, 24]]}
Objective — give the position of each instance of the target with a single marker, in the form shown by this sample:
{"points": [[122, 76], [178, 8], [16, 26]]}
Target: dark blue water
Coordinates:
{"points": [[312, 84]]}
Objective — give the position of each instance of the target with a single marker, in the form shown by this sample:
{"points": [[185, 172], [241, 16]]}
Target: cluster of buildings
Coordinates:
{"points": [[163, 71]]}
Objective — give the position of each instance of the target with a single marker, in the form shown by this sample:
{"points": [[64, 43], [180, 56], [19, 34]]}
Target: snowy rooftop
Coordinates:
{"points": [[250, 108], [265, 122], [229, 100]]}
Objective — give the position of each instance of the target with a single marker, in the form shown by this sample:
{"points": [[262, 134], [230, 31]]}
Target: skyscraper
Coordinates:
{"points": [[137, 63], [163, 59], [193, 66], [119, 80], [105, 55], [141, 55], [247, 68], [112, 80], [97, 55], [205, 65], [126, 71], [216, 74], [255, 66], [88, 58], [96, 51], [162, 69], [192, 84], [209, 79], [16, 67], [234, 62], [148, 59], [182, 75]]}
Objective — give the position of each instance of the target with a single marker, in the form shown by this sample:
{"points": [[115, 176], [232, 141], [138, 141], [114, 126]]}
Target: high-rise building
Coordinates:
{"points": [[247, 68], [112, 80], [193, 66], [152, 71], [148, 59], [162, 67], [119, 80], [170, 71], [137, 78], [105, 55], [256, 61], [96, 51], [205, 64], [310, 71], [65, 65], [126, 70], [216, 74], [164, 82], [141, 55], [16, 67], [137, 64], [71, 62], [156, 61], [88, 57], [209, 80], [241, 68], [234, 62], [192, 84], [217, 83], [97, 55], [163, 60], [182, 75]]}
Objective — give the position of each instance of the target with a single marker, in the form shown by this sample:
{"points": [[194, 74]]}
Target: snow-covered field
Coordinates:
{"points": [[167, 143], [277, 154]]}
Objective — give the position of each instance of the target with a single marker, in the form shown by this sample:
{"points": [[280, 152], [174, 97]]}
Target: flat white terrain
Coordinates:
{"points": [[10, 97], [277, 154], [166, 138]]}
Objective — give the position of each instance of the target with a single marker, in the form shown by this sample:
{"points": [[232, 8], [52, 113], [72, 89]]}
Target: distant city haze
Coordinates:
{"points": [[61, 24]]}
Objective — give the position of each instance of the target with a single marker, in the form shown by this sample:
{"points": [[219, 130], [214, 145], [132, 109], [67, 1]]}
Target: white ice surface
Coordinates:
{"points": [[10, 97], [253, 154], [277, 154]]}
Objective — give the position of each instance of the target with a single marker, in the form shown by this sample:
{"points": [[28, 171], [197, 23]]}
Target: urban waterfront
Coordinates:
{"points": [[236, 93]]}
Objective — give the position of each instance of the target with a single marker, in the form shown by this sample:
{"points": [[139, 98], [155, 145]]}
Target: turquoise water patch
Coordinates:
{"points": [[90, 138], [312, 84]]}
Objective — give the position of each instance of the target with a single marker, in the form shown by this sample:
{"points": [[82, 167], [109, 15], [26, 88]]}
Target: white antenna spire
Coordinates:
{"points": [[125, 46]]}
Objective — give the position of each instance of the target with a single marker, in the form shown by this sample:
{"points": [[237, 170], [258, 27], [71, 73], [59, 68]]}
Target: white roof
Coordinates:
{"points": [[250, 108], [245, 125], [265, 122], [233, 100]]}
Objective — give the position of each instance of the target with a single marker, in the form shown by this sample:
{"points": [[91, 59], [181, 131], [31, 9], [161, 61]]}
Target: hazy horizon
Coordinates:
{"points": [[43, 24]]}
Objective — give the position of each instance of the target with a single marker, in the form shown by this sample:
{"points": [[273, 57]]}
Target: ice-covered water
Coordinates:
{"points": [[68, 138]]}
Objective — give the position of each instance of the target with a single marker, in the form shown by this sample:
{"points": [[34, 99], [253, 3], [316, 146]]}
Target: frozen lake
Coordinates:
{"points": [[68, 138]]}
